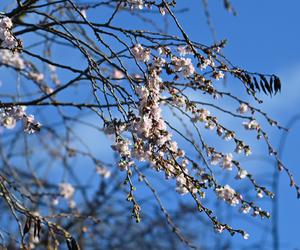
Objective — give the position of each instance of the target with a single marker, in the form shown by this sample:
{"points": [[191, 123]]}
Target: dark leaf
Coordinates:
{"points": [[277, 84], [266, 84], [262, 77], [27, 225], [271, 83], [251, 85], [256, 84], [72, 244], [268, 88], [37, 228], [249, 81], [263, 87], [247, 78], [229, 7]]}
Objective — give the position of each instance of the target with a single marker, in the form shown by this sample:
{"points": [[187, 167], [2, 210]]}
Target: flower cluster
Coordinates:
{"points": [[205, 62], [66, 190], [229, 195], [122, 146], [31, 125], [183, 65], [36, 76], [185, 50], [10, 115], [9, 58], [7, 39], [243, 108], [224, 160], [140, 53], [139, 4], [211, 122], [218, 75], [227, 162], [242, 173], [251, 125], [152, 141]]}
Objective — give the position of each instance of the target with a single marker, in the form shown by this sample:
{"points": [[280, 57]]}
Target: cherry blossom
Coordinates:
{"points": [[228, 194], [66, 190], [6, 37], [251, 125], [140, 53], [243, 108]]}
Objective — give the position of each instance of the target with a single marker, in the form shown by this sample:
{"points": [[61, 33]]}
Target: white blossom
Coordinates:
{"points": [[245, 209], [201, 115], [228, 194], [185, 50], [9, 122], [242, 173], [55, 201], [227, 162], [183, 65], [10, 115], [219, 228], [163, 50], [31, 125], [36, 76], [13, 59], [140, 53], [6, 23], [251, 125], [118, 74], [122, 146], [7, 39], [205, 63], [215, 159], [260, 194], [139, 4], [66, 190], [228, 136], [243, 108], [246, 236], [218, 75]]}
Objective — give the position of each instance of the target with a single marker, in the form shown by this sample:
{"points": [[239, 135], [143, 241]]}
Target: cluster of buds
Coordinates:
{"points": [[8, 41]]}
